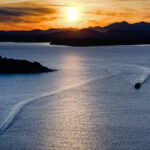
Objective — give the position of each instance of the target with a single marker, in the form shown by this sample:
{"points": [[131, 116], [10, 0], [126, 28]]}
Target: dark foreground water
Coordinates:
{"points": [[89, 104]]}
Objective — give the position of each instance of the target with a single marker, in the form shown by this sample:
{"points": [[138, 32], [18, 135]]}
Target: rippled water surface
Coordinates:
{"points": [[89, 104]]}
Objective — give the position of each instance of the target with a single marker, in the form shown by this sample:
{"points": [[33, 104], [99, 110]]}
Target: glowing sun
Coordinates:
{"points": [[72, 14]]}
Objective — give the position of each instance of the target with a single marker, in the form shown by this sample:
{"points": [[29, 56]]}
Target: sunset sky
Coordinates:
{"points": [[45, 14]]}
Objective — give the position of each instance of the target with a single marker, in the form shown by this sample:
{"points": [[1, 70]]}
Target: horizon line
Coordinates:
{"points": [[73, 28]]}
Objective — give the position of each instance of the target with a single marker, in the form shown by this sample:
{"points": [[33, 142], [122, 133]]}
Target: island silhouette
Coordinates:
{"points": [[13, 66]]}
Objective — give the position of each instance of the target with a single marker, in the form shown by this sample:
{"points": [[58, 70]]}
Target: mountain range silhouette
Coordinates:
{"points": [[121, 33]]}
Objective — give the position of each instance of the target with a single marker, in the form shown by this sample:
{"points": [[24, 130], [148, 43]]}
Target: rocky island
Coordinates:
{"points": [[13, 66]]}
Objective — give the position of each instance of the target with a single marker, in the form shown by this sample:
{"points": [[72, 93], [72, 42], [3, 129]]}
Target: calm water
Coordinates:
{"points": [[88, 104]]}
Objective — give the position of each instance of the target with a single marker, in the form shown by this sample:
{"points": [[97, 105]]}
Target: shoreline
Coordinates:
{"points": [[50, 44]]}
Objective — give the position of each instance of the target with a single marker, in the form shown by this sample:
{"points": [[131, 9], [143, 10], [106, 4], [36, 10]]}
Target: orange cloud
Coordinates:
{"points": [[32, 14]]}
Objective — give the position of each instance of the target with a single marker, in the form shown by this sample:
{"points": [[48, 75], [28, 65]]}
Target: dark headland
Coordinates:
{"points": [[13, 66], [121, 33]]}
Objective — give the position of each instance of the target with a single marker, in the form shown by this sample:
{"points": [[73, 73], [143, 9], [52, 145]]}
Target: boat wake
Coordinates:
{"points": [[142, 71], [145, 75], [19, 106]]}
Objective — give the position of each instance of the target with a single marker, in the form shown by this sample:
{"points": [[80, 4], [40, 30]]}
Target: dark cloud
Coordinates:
{"points": [[21, 13], [33, 11]]}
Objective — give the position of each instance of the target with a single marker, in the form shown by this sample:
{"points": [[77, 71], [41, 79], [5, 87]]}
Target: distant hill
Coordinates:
{"points": [[141, 26], [113, 34]]}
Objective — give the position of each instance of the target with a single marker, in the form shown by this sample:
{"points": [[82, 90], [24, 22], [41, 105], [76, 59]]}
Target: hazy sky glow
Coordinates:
{"points": [[45, 14]]}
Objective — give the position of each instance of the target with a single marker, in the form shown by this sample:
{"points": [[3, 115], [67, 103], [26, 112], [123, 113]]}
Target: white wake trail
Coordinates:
{"points": [[145, 75], [18, 107]]}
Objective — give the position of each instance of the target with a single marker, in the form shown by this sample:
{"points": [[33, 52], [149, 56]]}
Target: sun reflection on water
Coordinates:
{"points": [[69, 123]]}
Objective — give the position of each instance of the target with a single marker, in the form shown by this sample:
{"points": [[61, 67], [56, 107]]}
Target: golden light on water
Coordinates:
{"points": [[68, 127]]}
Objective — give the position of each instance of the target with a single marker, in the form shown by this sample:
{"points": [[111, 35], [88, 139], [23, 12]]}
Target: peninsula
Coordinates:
{"points": [[14, 66]]}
